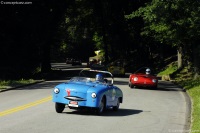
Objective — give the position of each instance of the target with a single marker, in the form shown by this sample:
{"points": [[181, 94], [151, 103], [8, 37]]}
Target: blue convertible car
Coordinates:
{"points": [[92, 89]]}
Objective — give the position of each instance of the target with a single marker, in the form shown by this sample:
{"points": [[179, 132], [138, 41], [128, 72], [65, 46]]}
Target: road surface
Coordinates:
{"points": [[30, 110]]}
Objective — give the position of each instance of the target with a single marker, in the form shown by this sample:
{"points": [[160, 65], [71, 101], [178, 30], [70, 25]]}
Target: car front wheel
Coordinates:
{"points": [[59, 107], [130, 84], [100, 109]]}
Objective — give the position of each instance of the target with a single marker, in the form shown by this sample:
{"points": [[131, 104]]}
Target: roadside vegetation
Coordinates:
{"points": [[6, 84], [185, 79], [192, 87]]}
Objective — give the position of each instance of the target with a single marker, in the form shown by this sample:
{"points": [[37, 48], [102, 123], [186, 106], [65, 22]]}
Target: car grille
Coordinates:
{"points": [[75, 98]]}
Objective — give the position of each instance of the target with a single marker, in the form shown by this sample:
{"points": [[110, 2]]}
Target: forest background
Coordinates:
{"points": [[144, 32]]}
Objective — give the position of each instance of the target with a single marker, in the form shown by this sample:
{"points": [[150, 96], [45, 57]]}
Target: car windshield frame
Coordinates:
{"points": [[85, 77], [142, 70], [80, 79]]}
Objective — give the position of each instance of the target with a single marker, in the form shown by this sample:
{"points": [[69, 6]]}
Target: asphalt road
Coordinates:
{"points": [[30, 110]]}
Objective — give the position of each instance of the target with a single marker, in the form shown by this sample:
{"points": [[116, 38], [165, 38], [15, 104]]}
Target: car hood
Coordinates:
{"points": [[144, 75]]}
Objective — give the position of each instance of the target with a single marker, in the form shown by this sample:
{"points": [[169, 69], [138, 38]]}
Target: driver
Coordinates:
{"points": [[148, 71], [99, 77]]}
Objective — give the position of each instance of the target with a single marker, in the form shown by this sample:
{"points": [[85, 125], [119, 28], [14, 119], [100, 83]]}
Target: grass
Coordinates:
{"points": [[192, 86], [193, 89], [195, 93], [169, 69], [5, 84]]}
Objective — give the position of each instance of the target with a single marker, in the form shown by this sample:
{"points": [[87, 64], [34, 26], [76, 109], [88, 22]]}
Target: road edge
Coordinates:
{"points": [[188, 114], [19, 86]]}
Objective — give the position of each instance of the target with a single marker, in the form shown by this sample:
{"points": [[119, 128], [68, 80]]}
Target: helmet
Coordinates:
{"points": [[99, 77], [148, 71]]}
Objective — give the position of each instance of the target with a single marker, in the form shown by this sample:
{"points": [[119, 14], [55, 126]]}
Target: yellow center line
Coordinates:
{"points": [[9, 111]]}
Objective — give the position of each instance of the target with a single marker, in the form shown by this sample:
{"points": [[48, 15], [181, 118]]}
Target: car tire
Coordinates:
{"points": [[130, 84], [59, 107], [115, 108], [154, 87], [101, 107]]}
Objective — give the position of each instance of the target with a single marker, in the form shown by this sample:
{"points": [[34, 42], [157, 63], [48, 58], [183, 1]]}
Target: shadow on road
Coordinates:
{"points": [[169, 86], [121, 112], [164, 86], [109, 112], [59, 74], [121, 83]]}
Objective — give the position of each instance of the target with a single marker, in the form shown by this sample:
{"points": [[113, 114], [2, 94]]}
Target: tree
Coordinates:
{"points": [[27, 34], [173, 23]]}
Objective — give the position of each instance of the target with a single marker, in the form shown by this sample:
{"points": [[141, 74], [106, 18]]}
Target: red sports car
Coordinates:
{"points": [[143, 78]]}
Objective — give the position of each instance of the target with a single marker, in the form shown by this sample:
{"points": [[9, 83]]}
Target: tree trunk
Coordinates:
{"points": [[180, 57], [196, 61]]}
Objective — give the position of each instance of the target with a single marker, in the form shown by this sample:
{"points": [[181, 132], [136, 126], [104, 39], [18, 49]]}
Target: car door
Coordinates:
{"points": [[111, 96]]}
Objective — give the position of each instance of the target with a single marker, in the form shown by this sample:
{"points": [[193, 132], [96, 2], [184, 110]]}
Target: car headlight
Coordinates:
{"points": [[135, 78], [154, 80], [94, 95], [56, 90]]}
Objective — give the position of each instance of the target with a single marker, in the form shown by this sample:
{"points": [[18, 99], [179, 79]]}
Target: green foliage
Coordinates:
{"points": [[189, 83], [77, 30], [51, 30], [194, 93], [169, 69], [170, 21], [4, 84], [193, 89], [98, 40], [36, 71], [175, 23]]}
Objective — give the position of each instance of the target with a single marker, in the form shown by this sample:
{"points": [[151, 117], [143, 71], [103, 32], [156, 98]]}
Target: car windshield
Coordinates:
{"points": [[80, 79], [92, 74], [143, 70], [89, 76]]}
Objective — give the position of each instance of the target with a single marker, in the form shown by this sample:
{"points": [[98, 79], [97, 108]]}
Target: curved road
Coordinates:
{"points": [[30, 110]]}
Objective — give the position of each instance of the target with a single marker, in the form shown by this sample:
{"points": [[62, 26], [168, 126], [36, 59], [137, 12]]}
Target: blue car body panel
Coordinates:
{"points": [[81, 93]]}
